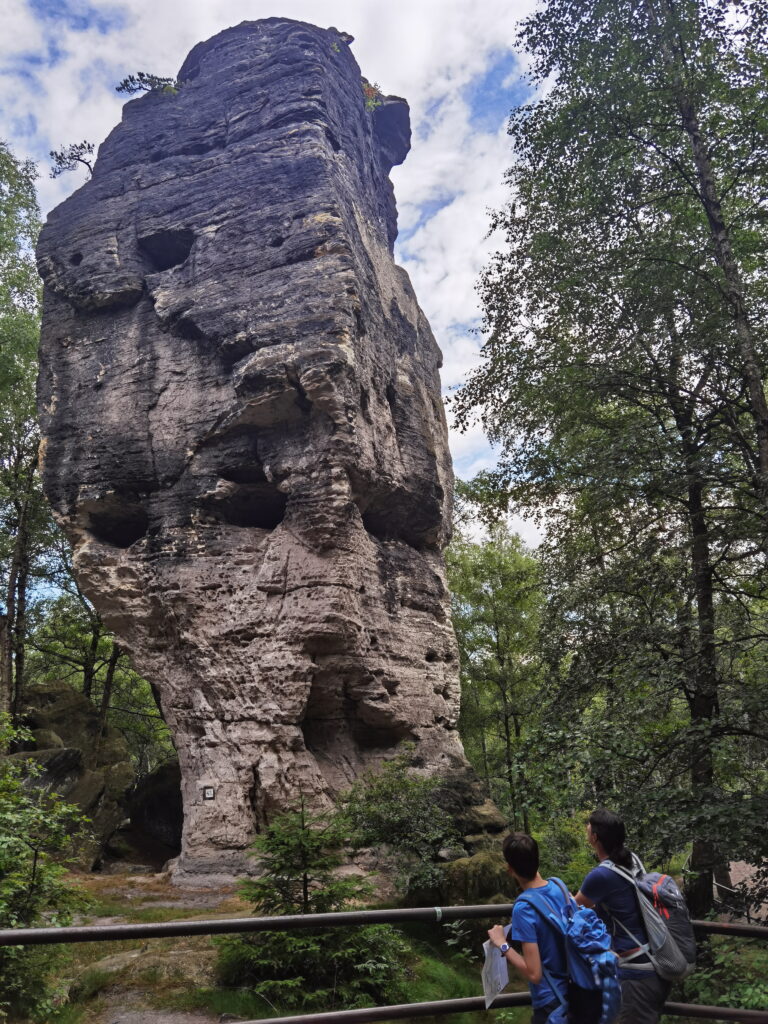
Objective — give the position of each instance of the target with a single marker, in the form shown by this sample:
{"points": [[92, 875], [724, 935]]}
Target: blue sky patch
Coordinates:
{"points": [[78, 16], [427, 211], [492, 95]]}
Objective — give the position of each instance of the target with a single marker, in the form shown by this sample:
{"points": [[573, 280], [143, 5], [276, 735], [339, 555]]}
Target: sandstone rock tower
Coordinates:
{"points": [[243, 433]]}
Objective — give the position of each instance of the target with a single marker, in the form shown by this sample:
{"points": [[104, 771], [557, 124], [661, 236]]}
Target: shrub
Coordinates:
{"points": [[395, 807], [730, 972], [310, 968], [34, 826]]}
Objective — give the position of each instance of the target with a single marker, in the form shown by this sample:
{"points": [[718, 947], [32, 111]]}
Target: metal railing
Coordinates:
{"points": [[117, 932]]}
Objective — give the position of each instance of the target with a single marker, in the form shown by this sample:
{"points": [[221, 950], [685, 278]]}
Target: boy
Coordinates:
{"points": [[539, 941], [543, 948]]}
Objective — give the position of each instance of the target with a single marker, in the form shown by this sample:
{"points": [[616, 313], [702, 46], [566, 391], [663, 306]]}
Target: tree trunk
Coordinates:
{"points": [[672, 52], [89, 663], [521, 783], [483, 742], [703, 694], [13, 635], [5, 680], [508, 766], [734, 289], [20, 627], [106, 695]]}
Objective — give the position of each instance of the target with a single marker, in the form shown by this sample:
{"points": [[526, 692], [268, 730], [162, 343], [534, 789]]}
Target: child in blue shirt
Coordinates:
{"points": [[542, 947]]}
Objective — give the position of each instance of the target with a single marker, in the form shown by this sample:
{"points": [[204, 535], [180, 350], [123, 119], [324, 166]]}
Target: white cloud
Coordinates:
{"points": [[57, 86]]}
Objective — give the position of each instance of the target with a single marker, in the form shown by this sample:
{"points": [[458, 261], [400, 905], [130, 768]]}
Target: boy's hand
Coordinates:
{"points": [[497, 935]]}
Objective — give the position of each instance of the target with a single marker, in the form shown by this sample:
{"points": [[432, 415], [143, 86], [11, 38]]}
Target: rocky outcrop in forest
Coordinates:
{"points": [[243, 431], [78, 756]]}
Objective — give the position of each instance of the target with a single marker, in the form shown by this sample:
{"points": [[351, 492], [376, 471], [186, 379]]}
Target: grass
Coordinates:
{"points": [[437, 975], [146, 915], [439, 971]]}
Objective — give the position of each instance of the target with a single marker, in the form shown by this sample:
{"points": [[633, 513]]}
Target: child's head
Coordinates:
{"points": [[521, 852]]}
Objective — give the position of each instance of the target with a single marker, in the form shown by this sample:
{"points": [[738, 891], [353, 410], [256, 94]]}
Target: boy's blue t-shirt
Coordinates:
{"points": [[527, 926], [615, 900]]}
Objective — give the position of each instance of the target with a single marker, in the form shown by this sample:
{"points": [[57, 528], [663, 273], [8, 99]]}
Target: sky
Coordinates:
{"points": [[453, 60]]}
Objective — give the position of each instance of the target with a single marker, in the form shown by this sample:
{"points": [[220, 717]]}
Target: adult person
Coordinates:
{"points": [[542, 964], [643, 992]]}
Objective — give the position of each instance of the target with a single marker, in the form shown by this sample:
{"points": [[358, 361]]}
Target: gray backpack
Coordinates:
{"points": [[671, 945]]}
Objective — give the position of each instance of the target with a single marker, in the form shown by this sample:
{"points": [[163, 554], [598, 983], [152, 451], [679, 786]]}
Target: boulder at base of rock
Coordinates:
{"points": [[482, 878], [139, 969], [94, 776]]}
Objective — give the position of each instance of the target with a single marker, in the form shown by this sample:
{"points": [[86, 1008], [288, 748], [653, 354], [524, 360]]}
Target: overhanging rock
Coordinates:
{"points": [[243, 432]]}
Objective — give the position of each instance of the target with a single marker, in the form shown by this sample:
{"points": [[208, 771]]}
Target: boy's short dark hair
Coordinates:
{"points": [[521, 852]]}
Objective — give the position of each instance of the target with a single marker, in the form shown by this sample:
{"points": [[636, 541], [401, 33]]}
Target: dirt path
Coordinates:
{"points": [[159, 1017], [126, 982]]}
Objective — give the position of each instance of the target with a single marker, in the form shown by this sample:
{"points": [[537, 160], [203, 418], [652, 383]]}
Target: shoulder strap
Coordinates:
{"points": [[618, 870], [534, 901], [628, 877], [569, 901]]}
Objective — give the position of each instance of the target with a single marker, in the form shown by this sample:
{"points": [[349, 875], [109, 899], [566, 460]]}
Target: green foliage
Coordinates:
{"points": [[142, 81], [69, 642], [310, 969], [24, 519], [496, 600], [730, 972], [68, 157], [433, 977], [564, 849], [396, 807], [35, 827], [319, 970], [371, 95], [297, 854], [623, 374]]}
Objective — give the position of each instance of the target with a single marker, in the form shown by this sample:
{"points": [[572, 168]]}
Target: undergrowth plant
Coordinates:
{"points": [[35, 827], [311, 968], [396, 807], [730, 972]]}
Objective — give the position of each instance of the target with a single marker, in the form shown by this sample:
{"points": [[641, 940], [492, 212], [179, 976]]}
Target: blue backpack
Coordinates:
{"points": [[587, 944]]}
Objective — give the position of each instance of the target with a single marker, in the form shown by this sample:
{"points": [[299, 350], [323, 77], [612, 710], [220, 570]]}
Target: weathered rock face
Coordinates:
{"points": [[243, 433]]}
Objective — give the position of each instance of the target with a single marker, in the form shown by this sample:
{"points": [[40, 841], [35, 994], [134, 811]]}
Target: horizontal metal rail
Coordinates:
{"points": [[477, 1003], [117, 932], [231, 926]]}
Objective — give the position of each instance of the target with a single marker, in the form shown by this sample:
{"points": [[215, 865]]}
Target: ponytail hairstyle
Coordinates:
{"points": [[609, 829]]}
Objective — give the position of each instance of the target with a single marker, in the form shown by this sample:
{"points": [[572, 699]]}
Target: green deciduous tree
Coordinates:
{"points": [[624, 378], [497, 599], [22, 509]]}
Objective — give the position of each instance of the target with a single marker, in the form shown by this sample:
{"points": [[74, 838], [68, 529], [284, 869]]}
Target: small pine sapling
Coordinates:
{"points": [[142, 81], [312, 968], [68, 157]]}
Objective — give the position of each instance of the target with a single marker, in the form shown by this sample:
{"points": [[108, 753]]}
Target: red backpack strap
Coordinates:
{"points": [[658, 905]]}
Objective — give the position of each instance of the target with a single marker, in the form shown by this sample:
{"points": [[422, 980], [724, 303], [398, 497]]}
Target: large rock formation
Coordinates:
{"points": [[243, 432]]}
